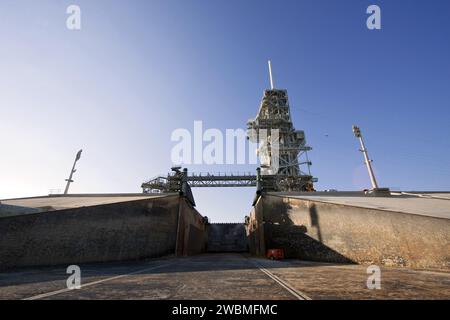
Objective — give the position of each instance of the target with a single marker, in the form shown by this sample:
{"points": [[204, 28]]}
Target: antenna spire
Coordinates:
{"points": [[270, 75]]}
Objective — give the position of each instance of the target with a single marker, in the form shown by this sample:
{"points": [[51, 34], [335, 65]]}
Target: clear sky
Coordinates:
{"points": [[137, 70]]}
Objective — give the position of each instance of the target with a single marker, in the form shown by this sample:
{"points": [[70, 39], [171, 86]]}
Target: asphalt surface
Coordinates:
{"points": [[223, 276]]}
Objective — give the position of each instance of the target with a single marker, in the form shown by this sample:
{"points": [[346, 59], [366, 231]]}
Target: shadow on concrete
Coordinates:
{"points": [[295, 238], [280, 232], [315, 220], [210, 262]]}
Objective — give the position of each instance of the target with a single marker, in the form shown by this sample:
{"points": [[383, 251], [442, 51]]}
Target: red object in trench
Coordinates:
{"points": [[275, 254]]}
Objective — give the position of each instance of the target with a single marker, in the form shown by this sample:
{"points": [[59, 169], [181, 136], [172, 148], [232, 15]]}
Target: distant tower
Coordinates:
{"points": [[367, 161], [69, 180], [376, 190], [274, 113]]}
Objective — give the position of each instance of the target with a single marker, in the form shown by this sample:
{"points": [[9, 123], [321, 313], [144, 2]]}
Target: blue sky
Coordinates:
{"points": [[137, 70]]}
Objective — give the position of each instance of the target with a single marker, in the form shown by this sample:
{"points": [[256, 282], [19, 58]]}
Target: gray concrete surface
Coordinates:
{"points": [[61, 202], [428, 204], [95, 228], [223, 276], [353, 228]]}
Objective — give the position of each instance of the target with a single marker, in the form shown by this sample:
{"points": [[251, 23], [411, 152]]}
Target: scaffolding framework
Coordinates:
{"points": [[273, 123], [293, 165], [274, 114], [172, 182]]}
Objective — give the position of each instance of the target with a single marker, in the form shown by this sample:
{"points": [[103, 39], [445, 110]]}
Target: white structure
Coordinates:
{"points": [[367, 161]]}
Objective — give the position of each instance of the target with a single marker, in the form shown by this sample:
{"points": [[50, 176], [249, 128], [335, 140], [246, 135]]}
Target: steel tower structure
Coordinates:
{"points": [[291, 157]]}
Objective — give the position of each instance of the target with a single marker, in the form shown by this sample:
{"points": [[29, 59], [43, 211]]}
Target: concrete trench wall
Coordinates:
{"points": [[192, 233], [110, 232], [255, 230], [319, 231]]}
